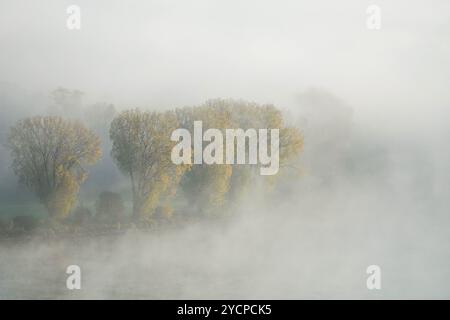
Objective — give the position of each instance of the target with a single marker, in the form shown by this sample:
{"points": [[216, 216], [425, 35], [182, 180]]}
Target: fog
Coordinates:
{"points": [[374, 182]]}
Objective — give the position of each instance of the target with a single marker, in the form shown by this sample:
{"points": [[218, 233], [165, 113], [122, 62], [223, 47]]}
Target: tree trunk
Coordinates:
{"points": [[136, 201]]}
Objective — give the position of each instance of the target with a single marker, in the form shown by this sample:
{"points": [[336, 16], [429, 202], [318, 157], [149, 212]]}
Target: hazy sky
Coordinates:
{"points": [[183, 52]]}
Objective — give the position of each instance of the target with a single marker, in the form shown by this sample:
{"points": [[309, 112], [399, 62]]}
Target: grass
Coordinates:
{"points": [[13, 210]]}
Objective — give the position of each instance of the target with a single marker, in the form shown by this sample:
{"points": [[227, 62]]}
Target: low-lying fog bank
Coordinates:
{"points": [[318, 246]]}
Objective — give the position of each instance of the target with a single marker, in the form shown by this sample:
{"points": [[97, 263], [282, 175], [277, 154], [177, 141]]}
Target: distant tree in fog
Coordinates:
{"points": [[66, 102], [327, 124], [49, 155], [100, 115]]}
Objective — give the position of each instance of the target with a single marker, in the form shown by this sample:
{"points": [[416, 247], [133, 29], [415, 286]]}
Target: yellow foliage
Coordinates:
{"points": [[141, 149], [49, 155]]}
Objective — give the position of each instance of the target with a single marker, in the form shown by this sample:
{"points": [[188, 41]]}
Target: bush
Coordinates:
{"points": [[163, 213], [25, 223], [110, 208], [5, 225], [82, 216]]}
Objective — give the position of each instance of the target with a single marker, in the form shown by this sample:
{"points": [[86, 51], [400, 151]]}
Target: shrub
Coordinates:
{"points": [[25, 222], [110, 208], [82, 216]]}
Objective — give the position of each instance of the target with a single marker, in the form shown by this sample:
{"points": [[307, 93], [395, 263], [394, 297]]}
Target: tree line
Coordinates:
{"points": [[50, 155]]}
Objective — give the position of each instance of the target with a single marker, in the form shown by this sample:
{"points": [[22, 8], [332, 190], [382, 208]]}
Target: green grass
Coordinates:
{"points": [[13, 210]]}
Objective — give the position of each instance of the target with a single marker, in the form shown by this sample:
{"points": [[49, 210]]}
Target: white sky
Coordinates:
{"points": [[176, 53]]}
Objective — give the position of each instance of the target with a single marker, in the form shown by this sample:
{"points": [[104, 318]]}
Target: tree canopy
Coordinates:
{"points": [[49, 156], [141, 149]]}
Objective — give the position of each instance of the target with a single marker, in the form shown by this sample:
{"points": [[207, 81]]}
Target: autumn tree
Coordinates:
{"points": [[252, 115], [142, 150], [206, 185], [217, 184], [49, 156]]}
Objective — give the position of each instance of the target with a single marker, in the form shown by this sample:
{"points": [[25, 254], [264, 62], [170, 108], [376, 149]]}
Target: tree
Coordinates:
{"points": [[327, 123], [141, 149], [66, 102], [110, 207], [206, 186], [49, 155], [219, 183]]}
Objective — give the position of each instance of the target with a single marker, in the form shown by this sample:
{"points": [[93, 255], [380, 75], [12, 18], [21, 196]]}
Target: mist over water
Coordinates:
{"points": [[373, 185], [318, 247]]}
